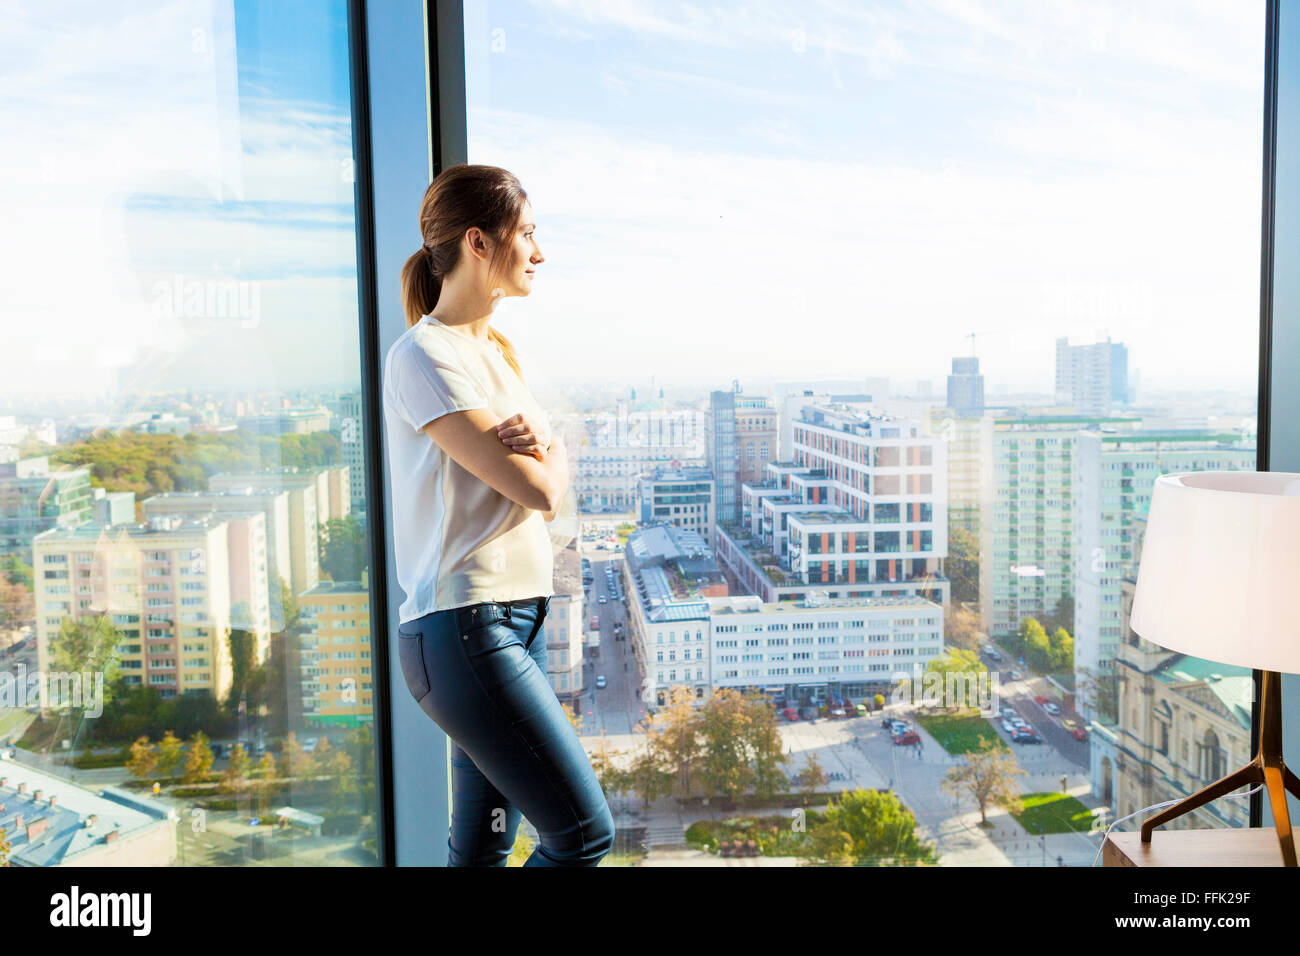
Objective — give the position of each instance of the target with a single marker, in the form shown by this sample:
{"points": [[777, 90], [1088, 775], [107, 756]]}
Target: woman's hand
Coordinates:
{"points": [[522, 434]]}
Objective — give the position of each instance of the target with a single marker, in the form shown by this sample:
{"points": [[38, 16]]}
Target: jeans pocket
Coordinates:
{"points": [[410, 654], [495, 651]]}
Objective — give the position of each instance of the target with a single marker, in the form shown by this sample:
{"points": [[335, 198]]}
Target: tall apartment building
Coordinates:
{"points": [[1093, 378], [337, 664], [308, 508], [1027, 489], [683, 497], [168, 585], [1114, 475], [34, 499], [962, 438], [756, 440], [720, 452], [273, 503], [1181, 723], [352, 443], [966, 387]]}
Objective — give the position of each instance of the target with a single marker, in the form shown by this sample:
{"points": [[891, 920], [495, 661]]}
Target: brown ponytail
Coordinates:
{"points": [[460, 197]]}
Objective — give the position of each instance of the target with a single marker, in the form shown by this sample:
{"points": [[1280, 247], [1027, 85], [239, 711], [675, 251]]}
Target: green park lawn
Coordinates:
{"points": [[959, 732], [1053, 813]]}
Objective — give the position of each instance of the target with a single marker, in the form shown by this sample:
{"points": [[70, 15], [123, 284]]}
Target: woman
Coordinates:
{"points": [[475, 475]]}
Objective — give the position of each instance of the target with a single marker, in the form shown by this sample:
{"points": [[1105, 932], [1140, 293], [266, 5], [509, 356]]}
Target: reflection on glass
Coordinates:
{"points": [[928, 296], [186, 643]]}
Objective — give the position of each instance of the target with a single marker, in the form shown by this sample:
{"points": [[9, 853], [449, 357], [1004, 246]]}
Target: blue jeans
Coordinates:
{"points": [[480, 673]]}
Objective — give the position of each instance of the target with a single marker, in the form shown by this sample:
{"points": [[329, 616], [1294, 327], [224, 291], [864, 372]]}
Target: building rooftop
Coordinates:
{"points": [[116, 813], [750, 604], [1232, 686]]}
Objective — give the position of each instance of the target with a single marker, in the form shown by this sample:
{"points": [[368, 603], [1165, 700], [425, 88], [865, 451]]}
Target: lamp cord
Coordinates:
{"points": [[1157, 806]]}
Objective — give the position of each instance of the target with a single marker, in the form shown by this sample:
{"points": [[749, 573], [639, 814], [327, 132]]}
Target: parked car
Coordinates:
{"points": [[1079, 733], [1019, 721], [789, 713], [839, 711], [1026, 735], [993, 655], [899, 727], [600, 681], [861, 710], [1052, 707], [309, 744], [1009, 712], [1015, 675], [887, 722], [1040, 699], [907, 738], [1008, 726], [595, 624], [808, 713]]}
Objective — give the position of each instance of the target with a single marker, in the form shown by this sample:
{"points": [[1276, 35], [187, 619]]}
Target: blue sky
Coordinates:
{"points": [[753, 191], [198, 143], [849, 189]]}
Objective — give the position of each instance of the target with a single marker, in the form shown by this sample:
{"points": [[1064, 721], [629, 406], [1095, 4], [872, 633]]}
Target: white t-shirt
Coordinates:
{"points": [[457, 539]]}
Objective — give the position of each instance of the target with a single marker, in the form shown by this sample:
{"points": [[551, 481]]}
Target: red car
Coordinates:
{"points": [[1079, 733], [790, 713], [908, 739]]}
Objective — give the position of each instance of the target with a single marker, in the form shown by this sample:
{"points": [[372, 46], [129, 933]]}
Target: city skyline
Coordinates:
{"points": [[945, 148]]}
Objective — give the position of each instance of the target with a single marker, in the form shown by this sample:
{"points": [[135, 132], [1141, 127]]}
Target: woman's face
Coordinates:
{"points": [[522, 259]]}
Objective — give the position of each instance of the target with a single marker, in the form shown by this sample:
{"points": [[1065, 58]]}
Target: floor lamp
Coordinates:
{"points": [[1219, 566]]}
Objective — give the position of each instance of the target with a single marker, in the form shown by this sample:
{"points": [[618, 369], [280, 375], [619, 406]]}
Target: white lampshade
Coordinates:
{"points": [[1219, 572]]}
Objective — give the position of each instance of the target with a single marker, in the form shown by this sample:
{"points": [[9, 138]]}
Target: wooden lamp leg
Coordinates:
{"points": [[1267, 768]]}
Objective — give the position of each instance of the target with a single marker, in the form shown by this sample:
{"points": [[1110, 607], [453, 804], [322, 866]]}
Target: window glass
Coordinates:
{"points": [[980, 231], [182, 513]]}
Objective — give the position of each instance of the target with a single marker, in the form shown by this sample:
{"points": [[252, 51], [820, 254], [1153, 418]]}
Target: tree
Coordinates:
{"points": [[1100, 693], [613, 779], [294, 761], [869, 828], [17, 571], [1061, 652], [342, 543], [235, 777], [263, 782], [243, 662], [961, 628], [87, 646], [1062, 615], [725, 762], [953, 679], [575, 718], [812, 777], [963, 564], [649, 774], [170, 753], [988, 776], [198, 762], [675, 737], [16, 605], [144, 758]]}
